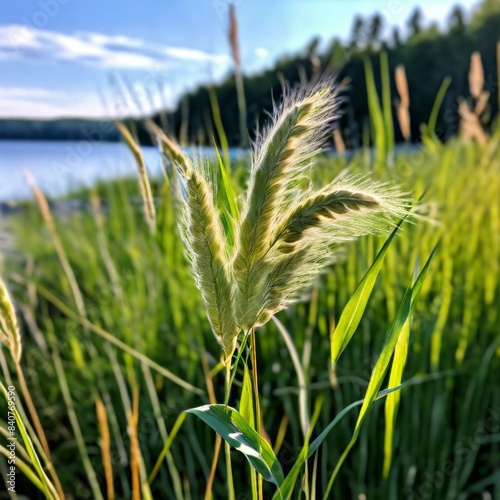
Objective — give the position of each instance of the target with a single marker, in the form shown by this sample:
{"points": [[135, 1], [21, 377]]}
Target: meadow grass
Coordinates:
{"points": [[105, 304]]}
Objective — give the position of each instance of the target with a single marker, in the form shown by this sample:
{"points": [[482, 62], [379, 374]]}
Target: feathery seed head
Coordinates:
{"points": [[204, 238], [309, 234], [285, 234], [282, 155], [9, 331]]}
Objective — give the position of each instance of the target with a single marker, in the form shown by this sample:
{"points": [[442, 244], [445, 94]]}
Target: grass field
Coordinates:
{"points": [[116, 345]]}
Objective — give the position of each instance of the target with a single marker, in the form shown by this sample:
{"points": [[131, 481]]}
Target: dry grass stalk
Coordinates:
{"points": [[240, 90], [169, 148], [402, 86], [476, 75], [470, 126], [233, 36], [403, 109], [107, 464], [404, 122], [44, 208], [147, 196], [135, 452], [470, 122], [338, 141], [481, 103]]}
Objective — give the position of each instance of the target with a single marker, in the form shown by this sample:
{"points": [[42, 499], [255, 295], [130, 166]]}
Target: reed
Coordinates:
{"points": [[238, 75], [403, 108], [147, 195], [476, 75]]}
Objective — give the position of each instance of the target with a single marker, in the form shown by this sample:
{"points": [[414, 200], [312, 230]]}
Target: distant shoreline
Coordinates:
{"points": [[59, 130]]}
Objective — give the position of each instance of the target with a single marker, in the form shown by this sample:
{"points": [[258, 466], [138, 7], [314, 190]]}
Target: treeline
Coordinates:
{"points": [[428, 54], [61, 130]]}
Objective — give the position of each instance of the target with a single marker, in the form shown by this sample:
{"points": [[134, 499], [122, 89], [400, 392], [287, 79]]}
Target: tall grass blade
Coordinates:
{"points": [[303, 407], [392, 401], [246, 409], [382, 364], [354, 309], [214, 104], [376, 116], [429, 130], [167, 446], [25, 469], [289, 484], [387, 105], [117, 342], [246, 402], [48, 488]]}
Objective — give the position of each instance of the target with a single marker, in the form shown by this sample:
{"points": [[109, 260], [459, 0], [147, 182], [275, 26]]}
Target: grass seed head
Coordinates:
{"points": [[476, 75], [285, 235], [206, 244], [281, 160], [9, 331]]}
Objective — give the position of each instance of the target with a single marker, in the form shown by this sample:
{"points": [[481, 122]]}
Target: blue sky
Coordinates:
{"points": [[74, 57]]}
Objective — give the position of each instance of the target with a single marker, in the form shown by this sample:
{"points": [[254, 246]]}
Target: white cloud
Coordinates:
{"points": [[115, 101], [26, 102], [19, 42]]}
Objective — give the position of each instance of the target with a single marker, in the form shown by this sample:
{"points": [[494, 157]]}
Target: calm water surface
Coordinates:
{"points": [[60, 166]]}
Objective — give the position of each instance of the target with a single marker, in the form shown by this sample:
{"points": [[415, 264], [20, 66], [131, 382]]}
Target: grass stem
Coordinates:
{"points": [[227, 446]]}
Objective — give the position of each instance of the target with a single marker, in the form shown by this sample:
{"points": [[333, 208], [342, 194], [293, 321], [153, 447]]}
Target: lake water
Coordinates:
{"points": [[60, 166]]}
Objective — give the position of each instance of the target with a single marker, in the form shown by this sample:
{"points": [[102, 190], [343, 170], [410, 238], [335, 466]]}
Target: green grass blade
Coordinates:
{"points": [[246, 401], [227, 183], [376, 115], [25, 469], [355, 307], [247, 412], [382, 394], [303, 407], [166, 447], [214, 104], [48, 488], [226, 201], [431, 124], [235, 430], [392, 401], [286, 489], [386, 102], [382, 364]]}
